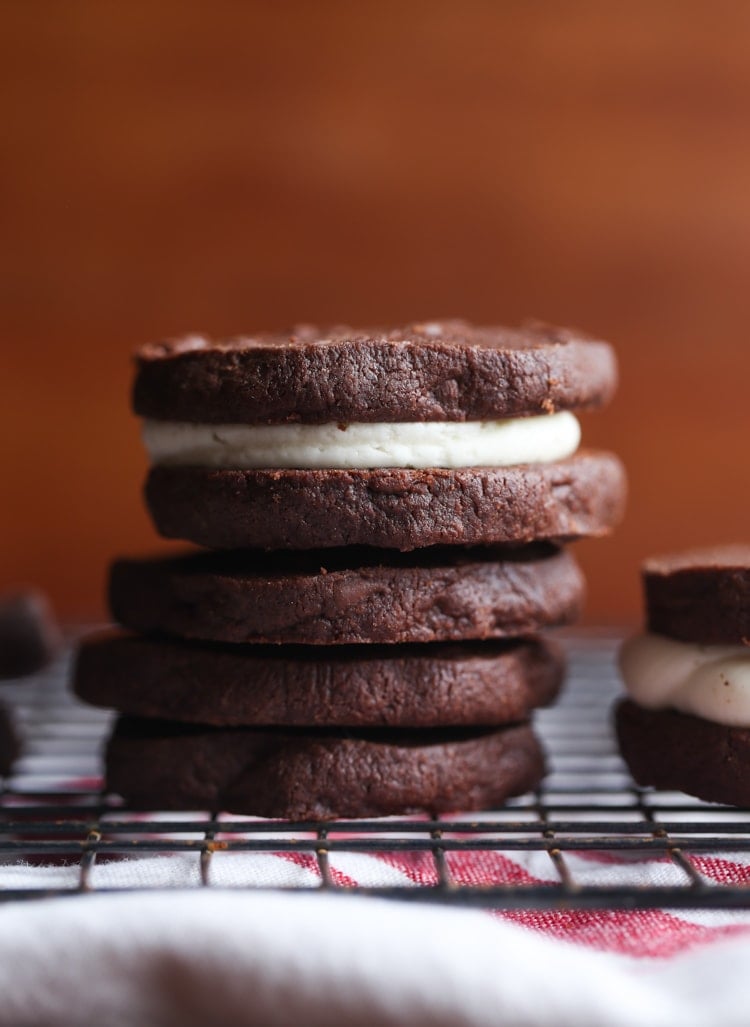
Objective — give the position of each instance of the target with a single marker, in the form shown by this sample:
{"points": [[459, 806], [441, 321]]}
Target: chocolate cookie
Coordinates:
{"points": [[349, 596], [673, 750], [700, 596], [370, 686], [29, 636], [320, 775], [437, 371], [392, 508], [10, 744]]}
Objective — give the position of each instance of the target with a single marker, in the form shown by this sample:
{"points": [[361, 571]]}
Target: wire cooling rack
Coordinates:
{"points": [[588, 839]]}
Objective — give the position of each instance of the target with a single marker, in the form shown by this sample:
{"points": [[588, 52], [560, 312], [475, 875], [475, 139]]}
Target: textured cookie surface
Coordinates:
{"points": [[349, 596], [369, 686], [438, 371], [319, 775], [392, 508], [675, 751], [700, 596]]}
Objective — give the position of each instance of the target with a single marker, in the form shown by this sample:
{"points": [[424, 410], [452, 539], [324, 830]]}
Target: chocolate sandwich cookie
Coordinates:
{"points": [[436, 371], [687, 724], [675, 751], [700, 596], [319, 775], [355, 686], [433, 434], [390, 507], [349, 596]]}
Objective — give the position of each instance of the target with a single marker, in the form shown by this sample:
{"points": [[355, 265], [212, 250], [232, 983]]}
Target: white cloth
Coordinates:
{"points": [[318, 960]]}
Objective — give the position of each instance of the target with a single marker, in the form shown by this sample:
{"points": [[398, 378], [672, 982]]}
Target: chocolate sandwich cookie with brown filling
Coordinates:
{"points": [[432, 434], [686, 724], [471, 684], [350, 596], [321, 775]]}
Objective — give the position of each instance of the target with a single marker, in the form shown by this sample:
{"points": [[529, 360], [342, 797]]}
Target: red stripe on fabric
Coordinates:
{"points": [[309, 862], [644, 934], [723, 871], [616, 859], [650, 934], [419, 867], [481, 868], [84, 784], [478, 868], [720, 869]]}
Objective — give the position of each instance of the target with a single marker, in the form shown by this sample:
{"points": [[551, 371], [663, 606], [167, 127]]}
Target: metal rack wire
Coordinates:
{"points": [[588, 825]]}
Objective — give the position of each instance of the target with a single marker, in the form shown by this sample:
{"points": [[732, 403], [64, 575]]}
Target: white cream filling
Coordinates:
{"points": [[709, 681], [522, 440]]}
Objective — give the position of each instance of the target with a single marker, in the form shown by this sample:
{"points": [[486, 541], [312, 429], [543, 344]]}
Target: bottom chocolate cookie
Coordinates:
{"points": [[676, 751], [319, 775]]}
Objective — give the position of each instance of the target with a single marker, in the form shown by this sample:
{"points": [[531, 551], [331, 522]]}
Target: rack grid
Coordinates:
{"points": [[588, 839]]}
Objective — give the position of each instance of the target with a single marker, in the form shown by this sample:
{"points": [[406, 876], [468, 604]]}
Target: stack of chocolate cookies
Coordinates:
{"points": [[385, 512]]}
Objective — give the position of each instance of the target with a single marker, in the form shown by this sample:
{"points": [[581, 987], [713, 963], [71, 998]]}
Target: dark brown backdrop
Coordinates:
{"points": [[226, 166]]}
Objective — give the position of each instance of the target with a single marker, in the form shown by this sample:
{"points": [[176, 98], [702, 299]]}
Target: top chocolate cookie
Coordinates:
{"points": [[436, 371], [700, 596]]}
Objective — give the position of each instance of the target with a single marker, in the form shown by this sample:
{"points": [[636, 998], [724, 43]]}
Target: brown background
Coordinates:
{"points": [[224, 166]]}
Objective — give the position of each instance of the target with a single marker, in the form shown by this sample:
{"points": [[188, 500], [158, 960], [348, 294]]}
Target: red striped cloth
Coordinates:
{"points": [[648, 934]]}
